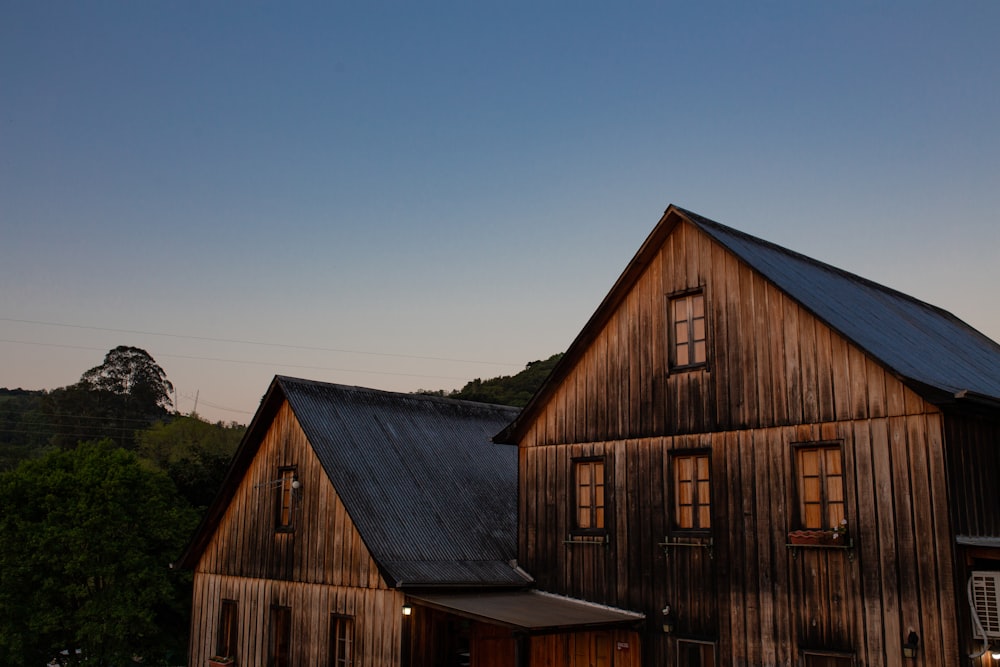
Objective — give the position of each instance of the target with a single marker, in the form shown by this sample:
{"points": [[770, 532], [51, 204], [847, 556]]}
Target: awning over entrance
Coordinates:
{"points": [[529, 611]]}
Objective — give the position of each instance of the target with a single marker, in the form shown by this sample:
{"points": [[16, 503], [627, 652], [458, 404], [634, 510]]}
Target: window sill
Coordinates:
{"points": [[587, 539], [822, 542], [688, 541]]}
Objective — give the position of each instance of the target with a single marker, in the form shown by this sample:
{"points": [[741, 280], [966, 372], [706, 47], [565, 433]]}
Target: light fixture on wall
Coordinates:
{"points": [[910, 645], [668, 620], [407, 610], [995, 650]]}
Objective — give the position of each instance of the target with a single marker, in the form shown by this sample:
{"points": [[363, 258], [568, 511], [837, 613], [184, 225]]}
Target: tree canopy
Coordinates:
{"points": [[86, 536], [514, 390]]}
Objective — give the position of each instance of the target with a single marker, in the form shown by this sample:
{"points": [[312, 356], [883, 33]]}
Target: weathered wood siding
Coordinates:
{"points": [[775, 376], [770, 362], [759, 599], [322, 567], [617, 648]]}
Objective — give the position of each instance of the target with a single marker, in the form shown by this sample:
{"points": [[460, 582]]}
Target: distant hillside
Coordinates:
{"points": [[514, 390]]}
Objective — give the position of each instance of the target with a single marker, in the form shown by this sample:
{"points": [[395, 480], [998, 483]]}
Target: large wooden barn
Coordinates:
{"points": [[774, 461]]}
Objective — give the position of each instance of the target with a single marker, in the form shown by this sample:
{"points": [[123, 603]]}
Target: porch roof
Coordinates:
{"points": [[529, 611]]}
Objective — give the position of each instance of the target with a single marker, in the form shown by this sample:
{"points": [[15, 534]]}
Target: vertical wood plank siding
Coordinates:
{"points": [[322, 567], [775, 376]]}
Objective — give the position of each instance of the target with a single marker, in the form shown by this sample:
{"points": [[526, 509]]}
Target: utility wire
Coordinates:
{"points": [[256, 363], [253, 342]]}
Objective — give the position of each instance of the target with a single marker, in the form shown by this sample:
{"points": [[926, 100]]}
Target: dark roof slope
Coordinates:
{"points": [[924, 345], [433, 499], [934, 352]]}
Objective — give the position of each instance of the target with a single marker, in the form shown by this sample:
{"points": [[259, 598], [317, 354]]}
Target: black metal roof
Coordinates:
{"points": [[923, 344], [434, 500]]}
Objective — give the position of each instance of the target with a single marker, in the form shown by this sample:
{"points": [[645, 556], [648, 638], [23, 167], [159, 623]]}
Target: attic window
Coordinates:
{"points": [[288, 483], [689, 333]]}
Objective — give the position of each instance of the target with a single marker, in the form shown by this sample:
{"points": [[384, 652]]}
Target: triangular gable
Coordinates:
{"points": [[934, 353]]}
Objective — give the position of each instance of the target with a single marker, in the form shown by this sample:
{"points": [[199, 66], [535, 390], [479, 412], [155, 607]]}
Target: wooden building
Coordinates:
{"points": [[772, 460], [344, 508]]}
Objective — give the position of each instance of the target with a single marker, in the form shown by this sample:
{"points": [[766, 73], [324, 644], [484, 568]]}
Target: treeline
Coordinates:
{"points": [[101, 486], [515, 390]]}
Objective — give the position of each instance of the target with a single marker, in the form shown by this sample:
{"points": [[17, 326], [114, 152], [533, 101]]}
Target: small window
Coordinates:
{"points": [[820, 485], [691, 653], [281, 637], [692, 492], [225, 644], [589, 497], [287, 492], [341, 640], [827, 659], [689, 343]]}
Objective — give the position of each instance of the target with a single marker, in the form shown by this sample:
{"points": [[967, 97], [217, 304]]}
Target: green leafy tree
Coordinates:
{"points": [[126, 393], [514, 390], [24, 429], [86, 536], [194, 453], [131, 374]]}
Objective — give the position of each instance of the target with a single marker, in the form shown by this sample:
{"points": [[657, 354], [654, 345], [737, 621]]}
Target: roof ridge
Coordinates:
{"points": [[708, 222]]}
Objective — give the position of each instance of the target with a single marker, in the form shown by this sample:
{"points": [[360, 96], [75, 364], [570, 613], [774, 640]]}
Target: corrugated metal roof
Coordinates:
{"points": [[433, 499], [532, 611], [918, 341]]}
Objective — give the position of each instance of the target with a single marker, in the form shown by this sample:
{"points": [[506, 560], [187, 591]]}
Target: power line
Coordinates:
{"points": [[260, 343], [256, 363]]}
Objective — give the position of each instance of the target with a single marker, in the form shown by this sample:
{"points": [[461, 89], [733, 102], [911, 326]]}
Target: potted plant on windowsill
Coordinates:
{"points": [[836, 537], [808, 537], [221, 661]]}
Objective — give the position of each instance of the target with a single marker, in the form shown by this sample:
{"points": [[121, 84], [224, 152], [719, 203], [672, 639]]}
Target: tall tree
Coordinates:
{"points": [[131, 373], [126, 393], [86, 536]]}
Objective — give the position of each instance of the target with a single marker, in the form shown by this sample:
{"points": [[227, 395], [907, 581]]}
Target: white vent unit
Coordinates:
{"points": [[984, 589]]}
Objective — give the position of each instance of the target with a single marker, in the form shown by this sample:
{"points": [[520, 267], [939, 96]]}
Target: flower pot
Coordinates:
{"points": [[808, 537]]}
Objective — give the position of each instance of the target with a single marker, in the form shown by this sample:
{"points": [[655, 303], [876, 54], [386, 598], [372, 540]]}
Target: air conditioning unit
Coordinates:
{"points": [[985, 593]]}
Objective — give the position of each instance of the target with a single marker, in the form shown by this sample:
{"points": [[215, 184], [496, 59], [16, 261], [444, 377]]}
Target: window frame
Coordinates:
{"points": [[281, 637], [691, 339], [341, 633], [827, 522], [850, 658], [227, 630], [700, 644], [598, 513], [675, 524], [286, 503]]}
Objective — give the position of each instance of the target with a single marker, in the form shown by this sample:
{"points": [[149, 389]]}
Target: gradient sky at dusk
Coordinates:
{"points": [[412, 195]]}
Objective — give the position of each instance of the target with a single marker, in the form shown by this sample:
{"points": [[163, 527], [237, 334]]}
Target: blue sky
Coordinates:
{"points": [[412, 195]]}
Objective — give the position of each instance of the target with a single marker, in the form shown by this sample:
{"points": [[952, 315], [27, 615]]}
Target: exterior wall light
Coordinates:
{"points": [[995, 650], [668, 620], [407, 610], [910, 645]]}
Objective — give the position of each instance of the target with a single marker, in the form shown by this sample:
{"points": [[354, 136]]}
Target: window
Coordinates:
{"points": [[692, 653], [287, 491], [225, 642], [827, 659], [820, 486], [589, 480], [692, 492], [341, 640], [281, 637], [687, 317]]}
